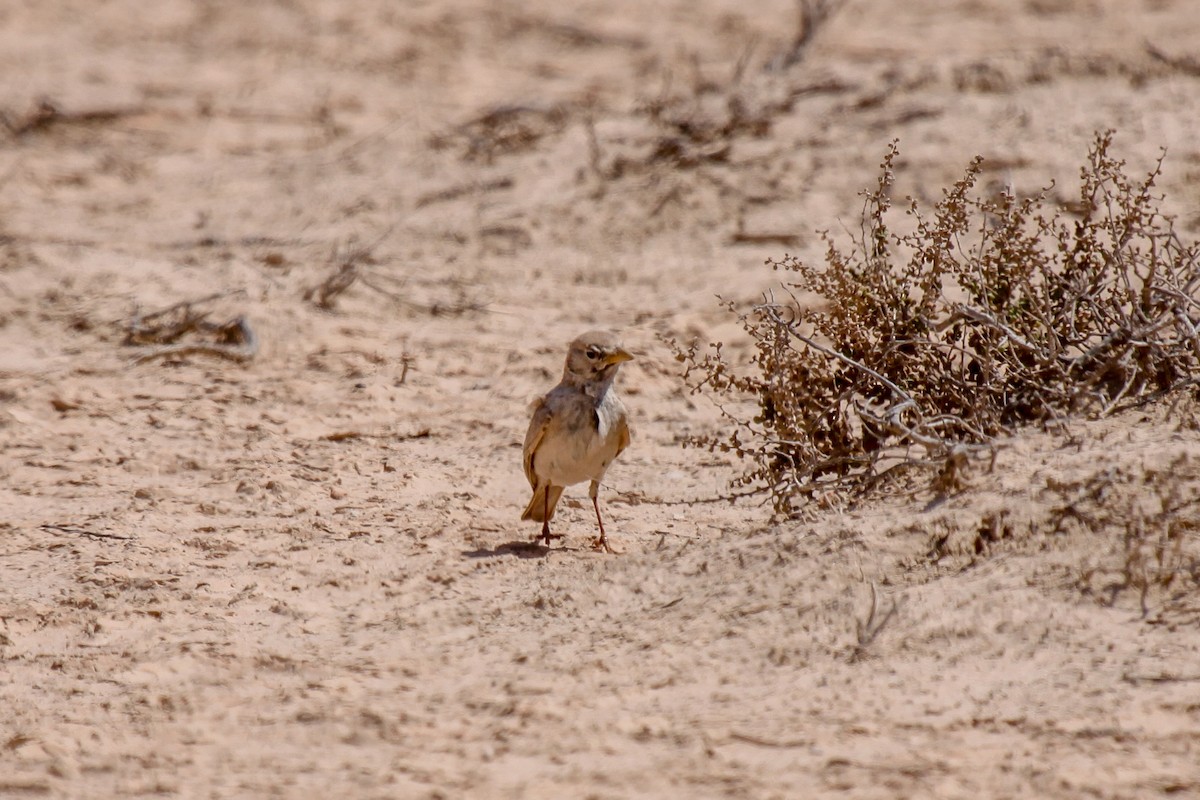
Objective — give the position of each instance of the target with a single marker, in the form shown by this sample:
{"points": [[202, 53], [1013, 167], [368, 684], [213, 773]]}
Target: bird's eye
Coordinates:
{"points": [[593, 353]]}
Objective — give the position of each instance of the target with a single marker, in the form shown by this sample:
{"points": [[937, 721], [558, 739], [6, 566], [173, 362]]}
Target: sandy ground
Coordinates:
{"points": [[304, 576]]}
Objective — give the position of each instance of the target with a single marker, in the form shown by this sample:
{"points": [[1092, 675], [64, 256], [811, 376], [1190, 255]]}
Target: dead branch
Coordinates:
{"points": [[762, 741], [504, 129], [348, 272], [72, 529], [147, 328], [457, 308], [342, 436], [235, 341], [1162, 677], [594, 155], [1185, 64], [45, 113], [866, 630], [325, 292], [783, 239], [812, 15], [461, 190]]}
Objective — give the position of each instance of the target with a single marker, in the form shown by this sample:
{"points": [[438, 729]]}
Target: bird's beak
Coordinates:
{"points": [[619, 355]]}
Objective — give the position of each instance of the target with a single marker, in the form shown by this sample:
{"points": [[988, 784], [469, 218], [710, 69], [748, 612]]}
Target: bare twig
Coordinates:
{"points": [[866, 630], [1185, 64], [46, 113], [341, 436], [236, 341], [668, 196], [83, 532], [187, 304], [594, 156], [739, 68], [349, 271], [785, 239], [762, 741], [638, 498], [325, 292], [812, 15], [147, 328], [504, 128], [1162, 677], [461, 190]]}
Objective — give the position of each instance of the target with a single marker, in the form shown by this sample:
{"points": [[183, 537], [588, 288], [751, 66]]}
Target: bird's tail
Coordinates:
{"points": [[540, 506]]}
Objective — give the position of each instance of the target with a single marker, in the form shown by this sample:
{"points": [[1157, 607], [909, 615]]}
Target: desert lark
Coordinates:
{"points": [[577, 429]]}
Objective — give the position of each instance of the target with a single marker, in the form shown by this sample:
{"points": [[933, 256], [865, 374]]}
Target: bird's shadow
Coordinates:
{"points": [[521, 548]]}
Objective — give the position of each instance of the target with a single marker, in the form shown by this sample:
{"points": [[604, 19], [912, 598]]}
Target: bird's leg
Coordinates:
{"points": [[602, 542], [547, 536]]}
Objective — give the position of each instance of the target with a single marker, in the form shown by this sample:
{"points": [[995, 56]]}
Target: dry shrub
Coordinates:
{"points": [[992, 313]]}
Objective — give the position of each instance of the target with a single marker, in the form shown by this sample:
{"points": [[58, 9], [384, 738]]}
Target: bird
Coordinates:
{"points": [[578, 429]]}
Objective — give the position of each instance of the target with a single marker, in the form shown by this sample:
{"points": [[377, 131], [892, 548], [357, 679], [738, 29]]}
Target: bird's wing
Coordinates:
{"points": [[622, 434], [533, 437]]}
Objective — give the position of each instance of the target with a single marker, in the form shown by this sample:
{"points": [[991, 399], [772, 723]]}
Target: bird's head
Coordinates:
{"points": [[595, 357]]}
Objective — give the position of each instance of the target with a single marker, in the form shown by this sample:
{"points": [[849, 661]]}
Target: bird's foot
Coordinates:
{"points": [[547, 538], [600, 544]]}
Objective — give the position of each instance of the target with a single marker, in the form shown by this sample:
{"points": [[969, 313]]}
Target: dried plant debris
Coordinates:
{"points": [[183, 329], [868, 628], [1152, 549], [994, 312], [1141, 523], [45, 114], [700, 123], [349, 268], [812, 16], [503, 129], [1188, 65], [353, 266], [693, 122]]}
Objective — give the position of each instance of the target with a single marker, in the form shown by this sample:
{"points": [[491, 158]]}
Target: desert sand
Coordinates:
{"points": [[303, 574]]}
